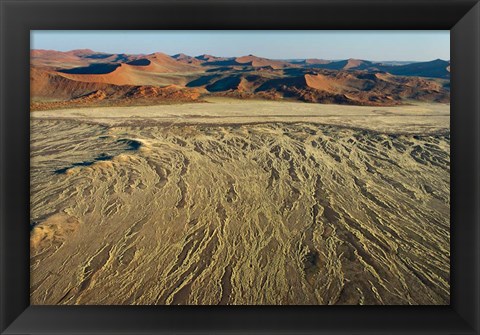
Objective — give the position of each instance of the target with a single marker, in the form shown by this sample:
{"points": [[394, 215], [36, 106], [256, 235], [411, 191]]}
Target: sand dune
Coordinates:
{"points": [[351, 82], [261, 62], [143, 71], [57, 60], [241, 203], [57, 91]]}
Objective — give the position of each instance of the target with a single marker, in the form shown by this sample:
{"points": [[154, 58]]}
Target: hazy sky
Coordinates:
{"points": [[377, 45]]}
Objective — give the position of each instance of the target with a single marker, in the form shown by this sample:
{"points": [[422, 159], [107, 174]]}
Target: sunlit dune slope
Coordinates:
{"points": [[349, 82], [142, 71]]}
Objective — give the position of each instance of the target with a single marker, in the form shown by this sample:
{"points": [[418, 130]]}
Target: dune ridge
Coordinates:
{"points": [[350, 81]]}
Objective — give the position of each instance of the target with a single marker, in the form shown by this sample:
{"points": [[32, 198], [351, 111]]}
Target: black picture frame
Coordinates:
{"points": [[18, 17]]}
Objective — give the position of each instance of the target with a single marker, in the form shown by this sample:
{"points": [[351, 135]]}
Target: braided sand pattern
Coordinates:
{"points": [[142, 212]]}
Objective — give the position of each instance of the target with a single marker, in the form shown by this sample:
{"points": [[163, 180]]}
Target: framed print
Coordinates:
{"points": [[248, 167], [182, 164]]}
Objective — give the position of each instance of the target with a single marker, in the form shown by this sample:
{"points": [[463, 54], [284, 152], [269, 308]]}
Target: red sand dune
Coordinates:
{"points": [[316, 61], [93, 76], [319, 82], [260, 62], [163, 63], [133, 72], [353, 63], [48, 84], [210, 58], [51, 85], [56, 59], [181, 57]]}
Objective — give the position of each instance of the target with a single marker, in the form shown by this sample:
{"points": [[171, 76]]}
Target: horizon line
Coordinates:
{"points": [[243, 55]]}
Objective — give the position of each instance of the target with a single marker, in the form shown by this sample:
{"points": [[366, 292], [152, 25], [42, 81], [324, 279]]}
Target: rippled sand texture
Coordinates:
{"points": [[270, 213]]}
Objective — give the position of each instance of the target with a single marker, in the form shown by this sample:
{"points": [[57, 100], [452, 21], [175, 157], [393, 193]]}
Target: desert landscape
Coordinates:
{"points": [[208, 180]]}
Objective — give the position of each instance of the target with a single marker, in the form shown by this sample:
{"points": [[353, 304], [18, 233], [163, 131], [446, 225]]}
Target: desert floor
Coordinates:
{"points": [[241, 202]]}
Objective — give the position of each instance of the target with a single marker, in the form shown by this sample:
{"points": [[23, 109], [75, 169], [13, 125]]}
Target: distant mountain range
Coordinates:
{"points": [[85, 76]]}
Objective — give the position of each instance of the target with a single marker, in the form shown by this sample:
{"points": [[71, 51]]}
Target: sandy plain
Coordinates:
{"points": [[241, 202]]}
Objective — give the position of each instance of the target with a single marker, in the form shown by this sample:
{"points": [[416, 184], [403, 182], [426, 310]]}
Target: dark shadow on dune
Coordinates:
{"points": [[434, 69], [221, 69], [294, 72], [33, 224], [98, 56], [228, 62], [140, 62], [101, 68], [132, 144], [201, 81], [282, 82], [101, 157], [224, 84], [338, 65]]}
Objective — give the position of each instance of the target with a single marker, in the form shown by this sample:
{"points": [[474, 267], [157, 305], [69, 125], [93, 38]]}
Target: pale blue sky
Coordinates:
{"points": [[374, 45]]}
